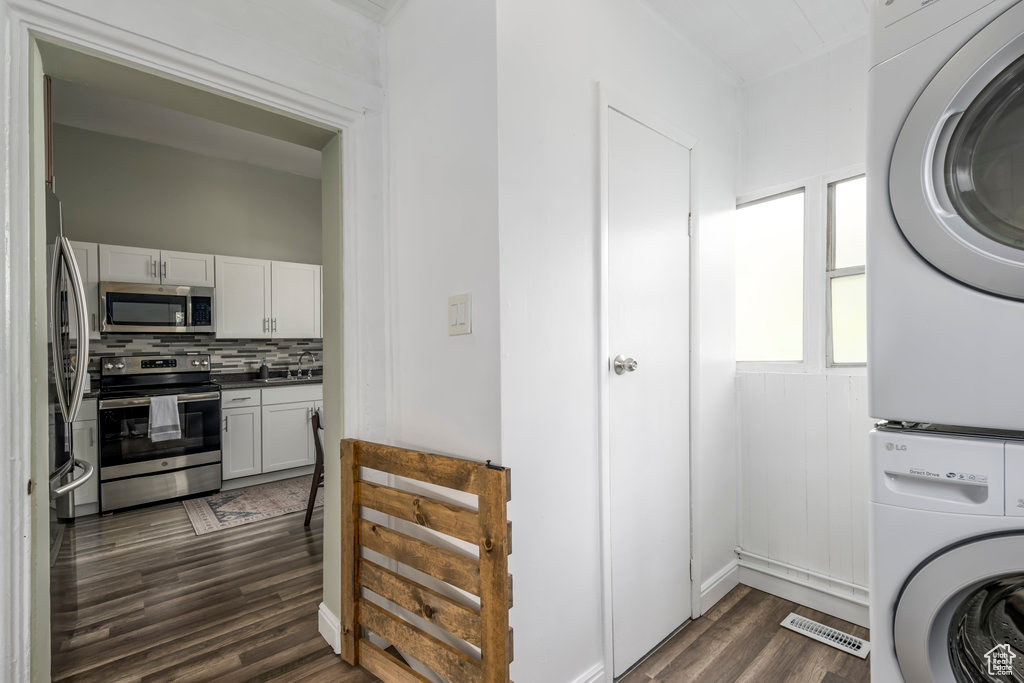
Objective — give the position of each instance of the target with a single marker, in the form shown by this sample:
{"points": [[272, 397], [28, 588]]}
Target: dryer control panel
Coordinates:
{"points": [[1014, 479]]}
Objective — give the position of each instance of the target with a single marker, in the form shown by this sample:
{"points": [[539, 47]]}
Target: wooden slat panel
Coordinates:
{"points": [[349, 552], [458, 570], [448, 518], [459, 620], [453, 473], [493, 577], [384, 666], [445, 660]]}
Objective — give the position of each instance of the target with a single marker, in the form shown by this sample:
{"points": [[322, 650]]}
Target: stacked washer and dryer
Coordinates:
{"points": [[946, 340]]}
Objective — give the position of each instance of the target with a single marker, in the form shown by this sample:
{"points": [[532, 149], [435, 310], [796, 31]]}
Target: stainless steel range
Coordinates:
{"points": [[142, 463]]}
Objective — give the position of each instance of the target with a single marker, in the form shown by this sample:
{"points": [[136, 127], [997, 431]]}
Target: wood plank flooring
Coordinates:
{"points": [[740, 639], [145, 599]]}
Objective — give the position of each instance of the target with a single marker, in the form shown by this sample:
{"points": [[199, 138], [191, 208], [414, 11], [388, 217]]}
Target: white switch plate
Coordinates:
{"points": [[460, 315]]}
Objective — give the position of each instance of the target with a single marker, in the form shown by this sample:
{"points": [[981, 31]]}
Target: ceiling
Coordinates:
{"points": [[378, 10], [757, 38], [90, 108]]}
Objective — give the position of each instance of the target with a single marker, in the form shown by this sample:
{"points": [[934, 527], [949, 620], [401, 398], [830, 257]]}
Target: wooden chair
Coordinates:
{"points": [[318, 468]]}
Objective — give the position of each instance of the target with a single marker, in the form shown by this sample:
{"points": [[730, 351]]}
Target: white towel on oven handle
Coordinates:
{"points": [[163, 418]]}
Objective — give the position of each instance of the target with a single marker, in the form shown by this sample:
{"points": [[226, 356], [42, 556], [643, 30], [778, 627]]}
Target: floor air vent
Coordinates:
{"points": [[829, 636]]}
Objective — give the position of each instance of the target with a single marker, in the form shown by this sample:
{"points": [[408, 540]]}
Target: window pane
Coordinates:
{"points": [[849, 219], [849, 320], [769, 280]]}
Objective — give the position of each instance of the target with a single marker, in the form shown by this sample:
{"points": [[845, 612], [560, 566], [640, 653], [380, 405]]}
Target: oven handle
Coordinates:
{"points": [[134, 402]]}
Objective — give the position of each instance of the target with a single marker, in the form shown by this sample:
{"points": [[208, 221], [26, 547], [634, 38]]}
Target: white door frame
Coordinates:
{"points": [[642, 114], [21, 23]]}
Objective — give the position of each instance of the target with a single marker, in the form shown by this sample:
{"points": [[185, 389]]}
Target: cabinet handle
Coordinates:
{"points": [[242, 398], [152, 267], [273, 324], [165, 270], [225, 424], [266, 324], [92, 441], [94, 322]]}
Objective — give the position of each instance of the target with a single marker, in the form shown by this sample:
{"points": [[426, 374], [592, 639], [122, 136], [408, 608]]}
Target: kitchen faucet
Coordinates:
{"points": [[309, 372]]}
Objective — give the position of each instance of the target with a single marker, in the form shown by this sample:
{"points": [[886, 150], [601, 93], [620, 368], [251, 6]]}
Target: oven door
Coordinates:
{"points": [[145, 308], [126, 449]]}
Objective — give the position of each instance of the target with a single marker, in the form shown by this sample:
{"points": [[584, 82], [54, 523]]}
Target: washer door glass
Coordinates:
{"points": [[985, 160], [986, 634]]}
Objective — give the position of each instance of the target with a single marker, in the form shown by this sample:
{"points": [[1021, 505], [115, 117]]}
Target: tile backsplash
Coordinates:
{"points": [[226, 355]]}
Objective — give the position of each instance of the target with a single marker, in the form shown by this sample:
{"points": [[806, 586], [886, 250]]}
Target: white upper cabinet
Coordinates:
{"points": [[295, 310], [184, 268], [88, 258], [243, 299], [129, 264]]}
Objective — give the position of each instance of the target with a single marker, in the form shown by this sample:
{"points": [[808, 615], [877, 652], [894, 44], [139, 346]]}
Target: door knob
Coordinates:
{"points": [[623, 365]]}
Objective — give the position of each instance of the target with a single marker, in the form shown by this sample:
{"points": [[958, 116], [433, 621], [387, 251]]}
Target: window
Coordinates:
{"points": [[846, 292], [769, 278]]}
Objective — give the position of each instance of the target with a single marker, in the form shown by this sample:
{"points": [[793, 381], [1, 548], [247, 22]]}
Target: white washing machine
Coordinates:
{"points": [[947, 560], [946, 212]]}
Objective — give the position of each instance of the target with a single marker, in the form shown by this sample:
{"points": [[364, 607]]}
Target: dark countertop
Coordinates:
{"points": [[250, 380]]}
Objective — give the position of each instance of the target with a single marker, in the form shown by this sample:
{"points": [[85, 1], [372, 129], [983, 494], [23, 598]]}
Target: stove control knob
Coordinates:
{"points": [[195, 363], [204, 363], [108, 366], [120, 365]]}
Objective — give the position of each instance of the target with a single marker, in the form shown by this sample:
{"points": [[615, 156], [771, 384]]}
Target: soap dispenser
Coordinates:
{"points": [[264, 370]]}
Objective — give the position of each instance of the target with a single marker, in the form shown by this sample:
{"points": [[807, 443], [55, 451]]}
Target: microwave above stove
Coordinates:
{"points": [[131, 307]]}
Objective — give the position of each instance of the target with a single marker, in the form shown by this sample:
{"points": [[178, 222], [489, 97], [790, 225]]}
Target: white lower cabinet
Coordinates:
{"points": [[242, 442], [85, 446], [287, 436], [268, 430]]}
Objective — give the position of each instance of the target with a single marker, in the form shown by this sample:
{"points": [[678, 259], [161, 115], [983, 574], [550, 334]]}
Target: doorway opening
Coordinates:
{"points": [[165, 187]]}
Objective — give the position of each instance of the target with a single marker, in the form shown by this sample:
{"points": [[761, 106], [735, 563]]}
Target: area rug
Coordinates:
{"points": [[229, 509]]}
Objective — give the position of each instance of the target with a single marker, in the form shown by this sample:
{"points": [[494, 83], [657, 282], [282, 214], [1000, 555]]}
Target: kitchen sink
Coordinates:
{"points": [[280, 380]]}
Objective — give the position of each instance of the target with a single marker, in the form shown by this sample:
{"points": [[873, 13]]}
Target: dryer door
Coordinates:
{"points": [[960, 616], [957, 174]]}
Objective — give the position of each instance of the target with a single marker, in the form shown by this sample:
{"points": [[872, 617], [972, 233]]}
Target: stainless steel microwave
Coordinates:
{"points": [[131, 307]]}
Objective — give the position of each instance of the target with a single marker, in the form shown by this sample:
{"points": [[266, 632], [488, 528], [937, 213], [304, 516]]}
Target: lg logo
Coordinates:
{"points": [[890, 446]]}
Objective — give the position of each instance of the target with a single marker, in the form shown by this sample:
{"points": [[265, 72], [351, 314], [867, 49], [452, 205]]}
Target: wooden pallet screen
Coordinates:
{"points": [[486, 577]]}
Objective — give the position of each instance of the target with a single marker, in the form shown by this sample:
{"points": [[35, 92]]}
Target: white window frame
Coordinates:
{"points": [[831, 272], [815, 315]]}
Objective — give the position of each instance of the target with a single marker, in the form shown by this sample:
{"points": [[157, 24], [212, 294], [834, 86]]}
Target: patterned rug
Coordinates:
{"points": [[251, 504]]}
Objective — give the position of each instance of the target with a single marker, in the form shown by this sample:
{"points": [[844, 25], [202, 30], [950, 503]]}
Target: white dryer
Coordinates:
{"points": [[946, 212], [947, 558]]}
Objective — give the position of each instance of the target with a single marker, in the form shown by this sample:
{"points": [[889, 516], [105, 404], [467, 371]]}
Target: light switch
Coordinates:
{"points": [[460, 315]]}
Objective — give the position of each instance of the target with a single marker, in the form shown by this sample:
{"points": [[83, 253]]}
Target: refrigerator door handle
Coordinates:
{"points": [[74, 483], [55, 331], [82, 347]]}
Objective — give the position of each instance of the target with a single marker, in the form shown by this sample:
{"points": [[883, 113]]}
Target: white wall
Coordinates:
{"points": [[805, 121], [551, 57], [443, 202], [803, 452]]}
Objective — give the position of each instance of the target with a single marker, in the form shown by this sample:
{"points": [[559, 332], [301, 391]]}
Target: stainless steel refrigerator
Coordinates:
{"points": [[69, 365]]}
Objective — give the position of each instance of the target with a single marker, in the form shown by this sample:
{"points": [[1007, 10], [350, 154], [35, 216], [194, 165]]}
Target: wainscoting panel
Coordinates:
{"points": [[804, 461]]}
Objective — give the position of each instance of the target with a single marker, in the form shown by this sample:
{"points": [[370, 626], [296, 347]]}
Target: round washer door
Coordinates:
{"points": [[956, 179], [960, 617]]}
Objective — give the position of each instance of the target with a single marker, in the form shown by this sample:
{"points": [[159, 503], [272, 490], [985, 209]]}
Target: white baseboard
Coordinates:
{"points": [[716, 587], [594, 674], [800, 592], [266, 478], [330, 628]]}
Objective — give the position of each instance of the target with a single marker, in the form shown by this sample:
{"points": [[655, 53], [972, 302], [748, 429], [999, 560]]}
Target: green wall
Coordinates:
{"points": [[117, 190]]}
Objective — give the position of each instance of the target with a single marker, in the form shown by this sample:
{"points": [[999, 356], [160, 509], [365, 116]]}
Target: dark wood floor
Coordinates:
{"points": [[147, 600], [740, 639]]}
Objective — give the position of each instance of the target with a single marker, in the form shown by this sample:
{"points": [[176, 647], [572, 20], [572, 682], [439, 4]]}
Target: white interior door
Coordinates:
{"points": [[648, 407]]}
